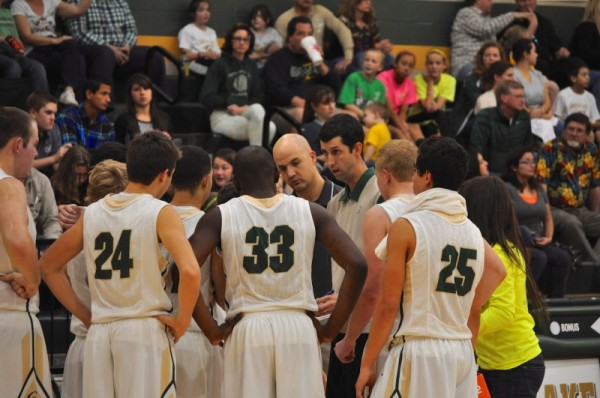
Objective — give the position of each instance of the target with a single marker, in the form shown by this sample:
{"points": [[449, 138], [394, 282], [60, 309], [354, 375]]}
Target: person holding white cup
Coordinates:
{"points": [[296, 68]]}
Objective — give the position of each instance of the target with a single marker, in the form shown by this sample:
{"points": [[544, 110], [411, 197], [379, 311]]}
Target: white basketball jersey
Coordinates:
{"points": [[395, 206], [441, 277], [8, 298], [77, 272], [190, 216], [122, 254], [267, 252]]}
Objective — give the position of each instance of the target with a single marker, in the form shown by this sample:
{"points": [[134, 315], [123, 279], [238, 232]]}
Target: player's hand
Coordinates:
{"points": [[20, 285], [176, 327], [68, 215], [326, 304], [344, 350], [323, 334], [223, 331], [366, 378]]}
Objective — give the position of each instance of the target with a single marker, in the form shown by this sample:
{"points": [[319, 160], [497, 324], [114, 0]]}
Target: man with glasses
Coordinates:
{"points": [[496, 131], [568, 168]]}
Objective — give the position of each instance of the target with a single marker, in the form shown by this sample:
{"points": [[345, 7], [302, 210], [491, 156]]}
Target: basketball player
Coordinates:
{"points": [[105, 178], [25, 370], [199, 363], [435, 260], [267, 241], [120, 234], [394, 169]]}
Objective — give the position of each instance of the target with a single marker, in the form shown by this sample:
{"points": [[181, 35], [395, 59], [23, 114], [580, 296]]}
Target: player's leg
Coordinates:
{"points": [[193, 362], [297, 356], [23, 350], [98, 370], [248, 368], [144, 358], [72, 386]]}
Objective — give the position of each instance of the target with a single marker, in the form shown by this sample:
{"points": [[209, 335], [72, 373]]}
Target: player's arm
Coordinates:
{"points": [[52, 263], [172, 235], [493, 274], [375, 226], [17, 241], [203, 241], [348, 256], [217, 275], [401, 246]]}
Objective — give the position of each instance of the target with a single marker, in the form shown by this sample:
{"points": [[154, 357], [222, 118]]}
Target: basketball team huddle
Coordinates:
{"points": [[135, 272]]}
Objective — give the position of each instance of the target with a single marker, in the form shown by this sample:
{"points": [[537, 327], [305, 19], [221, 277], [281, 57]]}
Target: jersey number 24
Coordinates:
{"points": [[120, 259]]}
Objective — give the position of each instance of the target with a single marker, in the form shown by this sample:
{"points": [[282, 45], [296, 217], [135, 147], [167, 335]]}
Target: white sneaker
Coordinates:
{"points": [[68, 97]]}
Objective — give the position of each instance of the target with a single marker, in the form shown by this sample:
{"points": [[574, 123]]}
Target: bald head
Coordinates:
{"points": [[297, 164], [253, 167]]}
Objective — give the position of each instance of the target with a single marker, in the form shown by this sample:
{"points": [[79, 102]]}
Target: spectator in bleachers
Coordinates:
{"points": [[435, 88], [319, 107], [61, 55], [70, 180], [551, 51], [362, 87], [110, 23], [13, 63], [585, 44], [320, 18], [198, 42], [291, 73], [576, 99], [568, 167], [87, 125], [472, 88], [401, 93], [222, 167], [375, 120], [498, 73], [142, 113], [550, 265], [478, 166], [359, 17], [42, 204], [43, 107], [496, 131], [232, 90], [537, 98], [266, 38], [472, 27], [463, 111]]}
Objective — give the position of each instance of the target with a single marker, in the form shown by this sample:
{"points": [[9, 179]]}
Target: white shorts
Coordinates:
{"points": [[273, 354], [72, 385], [25, 370], [424, 367], [129, 358], [199, 367]]}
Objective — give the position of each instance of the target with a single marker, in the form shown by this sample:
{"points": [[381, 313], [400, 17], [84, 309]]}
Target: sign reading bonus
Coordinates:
{"points": [[571, 378]]}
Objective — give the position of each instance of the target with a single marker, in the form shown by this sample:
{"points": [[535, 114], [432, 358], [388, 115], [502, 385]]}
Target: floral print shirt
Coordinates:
{"points": [[568, 173]]}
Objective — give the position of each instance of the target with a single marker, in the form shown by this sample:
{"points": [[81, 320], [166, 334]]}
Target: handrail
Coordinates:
{"points": [[179, 67]]}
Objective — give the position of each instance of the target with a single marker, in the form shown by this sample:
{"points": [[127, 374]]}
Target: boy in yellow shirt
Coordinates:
{"points": [[376, 116]]}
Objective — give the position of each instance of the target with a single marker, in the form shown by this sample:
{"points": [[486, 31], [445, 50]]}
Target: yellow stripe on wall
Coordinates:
{"points": [[170, 43]]}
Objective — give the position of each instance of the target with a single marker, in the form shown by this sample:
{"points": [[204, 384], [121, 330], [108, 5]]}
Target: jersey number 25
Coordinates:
{"points": [[456, 260]]}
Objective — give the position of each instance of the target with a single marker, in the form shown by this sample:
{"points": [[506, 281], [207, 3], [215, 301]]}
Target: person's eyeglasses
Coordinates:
{"points": [[527, 162], [241, 39]]}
